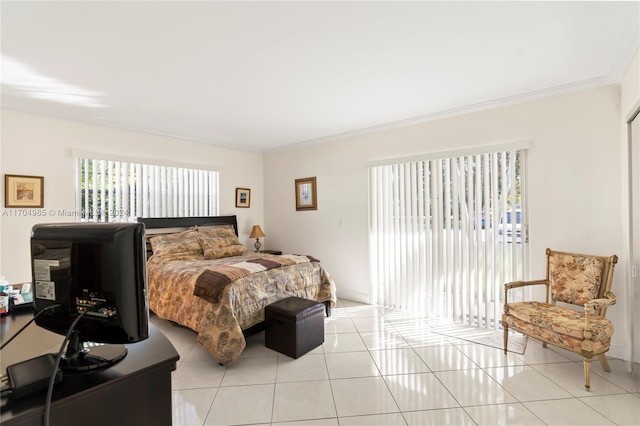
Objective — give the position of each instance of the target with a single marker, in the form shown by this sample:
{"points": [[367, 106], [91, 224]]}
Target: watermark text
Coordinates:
{"points": [[25, 212]]}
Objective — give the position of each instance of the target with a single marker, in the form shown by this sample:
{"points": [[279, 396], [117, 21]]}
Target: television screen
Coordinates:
{"points": [[97, 268]]}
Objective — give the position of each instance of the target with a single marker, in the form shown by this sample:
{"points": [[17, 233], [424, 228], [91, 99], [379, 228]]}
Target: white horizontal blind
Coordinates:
{"points": [[120, 191], [447, 233]]}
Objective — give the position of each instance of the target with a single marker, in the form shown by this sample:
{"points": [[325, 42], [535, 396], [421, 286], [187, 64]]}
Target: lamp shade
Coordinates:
{"points": [[256, 232]]}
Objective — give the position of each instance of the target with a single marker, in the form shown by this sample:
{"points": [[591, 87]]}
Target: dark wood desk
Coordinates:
{"points": [[135, 391]]}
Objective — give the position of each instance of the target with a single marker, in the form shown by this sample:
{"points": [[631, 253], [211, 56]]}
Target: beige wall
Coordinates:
{"points": [[575, 192], [42, 146]]}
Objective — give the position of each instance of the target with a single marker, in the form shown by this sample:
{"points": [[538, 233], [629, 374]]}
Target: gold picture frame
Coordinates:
{"points": [[23, 191], [243, 197], [306, 194]]}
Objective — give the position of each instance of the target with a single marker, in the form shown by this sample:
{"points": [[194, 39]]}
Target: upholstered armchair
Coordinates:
{"points": [[572, 281]]}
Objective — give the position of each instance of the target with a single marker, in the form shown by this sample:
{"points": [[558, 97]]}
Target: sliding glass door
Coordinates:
{"points": [[447, 231]]}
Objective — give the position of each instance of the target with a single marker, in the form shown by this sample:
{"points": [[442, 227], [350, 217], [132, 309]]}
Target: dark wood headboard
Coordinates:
{"points": [[163, 225], [188, 222]]}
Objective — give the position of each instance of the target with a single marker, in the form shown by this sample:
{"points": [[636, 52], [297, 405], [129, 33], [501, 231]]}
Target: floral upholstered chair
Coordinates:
{"points": [[573, 280]]}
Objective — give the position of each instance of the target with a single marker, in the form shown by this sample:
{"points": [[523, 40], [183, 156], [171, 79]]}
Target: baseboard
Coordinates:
{"points": [[354, 296], [621, 352], [616, 351]]}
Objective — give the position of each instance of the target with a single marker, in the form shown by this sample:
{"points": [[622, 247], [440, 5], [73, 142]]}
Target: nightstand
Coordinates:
{"points": [[276, 252]]}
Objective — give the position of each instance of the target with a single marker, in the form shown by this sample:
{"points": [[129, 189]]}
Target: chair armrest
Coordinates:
{"points": [[516, 284], [610, 300], [592, 305]]}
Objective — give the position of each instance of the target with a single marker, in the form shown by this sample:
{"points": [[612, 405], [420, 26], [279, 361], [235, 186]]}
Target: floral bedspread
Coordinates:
{"points": [[171, 283]]}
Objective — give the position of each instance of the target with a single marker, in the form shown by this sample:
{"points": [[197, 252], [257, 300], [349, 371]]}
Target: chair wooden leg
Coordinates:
{"points": [[587, 373], [506, 338], [604, 363]]}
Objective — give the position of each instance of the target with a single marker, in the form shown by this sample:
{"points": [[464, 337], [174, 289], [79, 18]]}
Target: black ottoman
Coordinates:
{"points": [[294, 326]]}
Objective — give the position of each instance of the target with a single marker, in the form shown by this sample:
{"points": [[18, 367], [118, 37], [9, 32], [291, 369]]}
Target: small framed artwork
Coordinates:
{"points": [[243, 197], [306, 196], [23, 191]]}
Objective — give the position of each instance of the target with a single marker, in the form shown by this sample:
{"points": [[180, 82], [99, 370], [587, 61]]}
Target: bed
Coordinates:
{"points": [[201, 277]]}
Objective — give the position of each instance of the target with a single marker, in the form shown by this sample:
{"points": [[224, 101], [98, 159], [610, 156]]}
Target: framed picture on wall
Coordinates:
{"points": [[23, 191], [243, 197], [306, 197]]}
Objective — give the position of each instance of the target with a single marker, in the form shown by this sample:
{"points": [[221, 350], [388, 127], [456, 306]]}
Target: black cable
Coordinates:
{"points": [[52, 379], [27, 324]]}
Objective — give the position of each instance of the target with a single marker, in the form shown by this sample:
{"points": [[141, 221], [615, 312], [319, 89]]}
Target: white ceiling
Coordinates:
{"points": [[266, 75]]}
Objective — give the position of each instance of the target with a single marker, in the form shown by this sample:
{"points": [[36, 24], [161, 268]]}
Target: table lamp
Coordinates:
{"points": [[256, 233]]}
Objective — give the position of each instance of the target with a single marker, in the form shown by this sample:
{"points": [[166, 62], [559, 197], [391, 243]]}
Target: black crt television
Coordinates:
{"points": [[99, 268]]}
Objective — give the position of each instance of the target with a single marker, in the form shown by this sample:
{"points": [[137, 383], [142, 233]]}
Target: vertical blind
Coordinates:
{"points": [[121, 191], [447, 233]]}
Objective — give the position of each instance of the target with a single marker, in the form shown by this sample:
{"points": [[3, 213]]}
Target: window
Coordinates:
{"points": [[447, 231], [121, 191]]}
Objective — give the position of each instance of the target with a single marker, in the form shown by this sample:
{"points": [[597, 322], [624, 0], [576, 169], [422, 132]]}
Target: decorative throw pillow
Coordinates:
{"points": [[228, 251], [219, 242], [182, 243]]}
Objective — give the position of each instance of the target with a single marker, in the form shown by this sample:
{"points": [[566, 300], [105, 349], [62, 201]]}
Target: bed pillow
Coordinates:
{"points": [[181, 243], [219, 242], [216, 231], [220, 252]]}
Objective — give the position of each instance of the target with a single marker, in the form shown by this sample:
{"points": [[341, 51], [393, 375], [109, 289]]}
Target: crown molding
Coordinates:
{"points": [[463, 110], [628, 48]]}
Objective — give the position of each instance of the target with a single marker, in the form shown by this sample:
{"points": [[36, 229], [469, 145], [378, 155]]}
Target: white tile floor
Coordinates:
{"points": [[380, 367]]}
